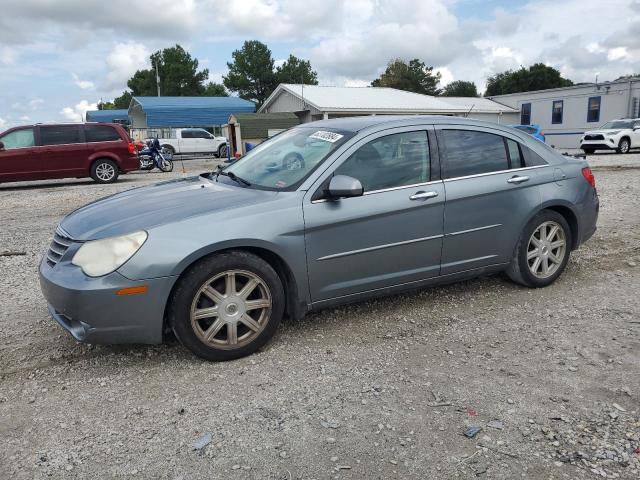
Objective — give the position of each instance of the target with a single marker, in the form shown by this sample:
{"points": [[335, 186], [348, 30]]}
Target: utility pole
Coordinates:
{"points": [[157, 77]]}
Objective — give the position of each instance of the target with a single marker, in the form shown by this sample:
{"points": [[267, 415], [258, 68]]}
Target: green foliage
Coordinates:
{"points": [[123, 100], [414, 76], [251, 73], [537, 77], [296, 70], [460, 88], [213, 89]]}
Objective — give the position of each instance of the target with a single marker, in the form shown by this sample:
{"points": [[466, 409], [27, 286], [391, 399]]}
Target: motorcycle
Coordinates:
{"points": [[152, 155]]}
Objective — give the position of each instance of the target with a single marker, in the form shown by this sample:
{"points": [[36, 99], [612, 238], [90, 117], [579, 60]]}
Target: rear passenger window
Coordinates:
{"points": [[60, 135], [392, 161], [469, 152], [514, 154], [531, 158], [101, 133]]}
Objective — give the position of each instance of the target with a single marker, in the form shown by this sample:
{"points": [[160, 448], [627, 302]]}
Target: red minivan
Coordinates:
{"points": [[101, 151]]}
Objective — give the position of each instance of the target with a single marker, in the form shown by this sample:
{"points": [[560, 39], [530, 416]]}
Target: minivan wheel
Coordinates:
{"points": [[542, 252], [227, 306], [623, 146], [104, 171]]}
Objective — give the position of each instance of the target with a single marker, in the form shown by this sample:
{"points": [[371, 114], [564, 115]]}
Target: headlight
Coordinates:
{"points": [[615, 132], [99, 257]]}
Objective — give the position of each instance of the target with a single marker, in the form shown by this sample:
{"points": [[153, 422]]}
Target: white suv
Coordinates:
{"points": [[620, 135]]}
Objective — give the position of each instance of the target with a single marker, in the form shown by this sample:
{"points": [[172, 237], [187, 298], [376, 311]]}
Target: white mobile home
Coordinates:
{"points": [[564, 114]]}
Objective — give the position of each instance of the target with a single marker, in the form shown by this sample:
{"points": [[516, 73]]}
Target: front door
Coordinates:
{"points": [[490, 192], [19, 158], [63, 151], [392, 234]]}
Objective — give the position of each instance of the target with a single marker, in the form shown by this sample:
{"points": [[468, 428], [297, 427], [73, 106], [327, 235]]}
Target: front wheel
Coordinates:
{"points": [[542, 252], [588, 151], [227, 306], [165, 164], [222, 151]]}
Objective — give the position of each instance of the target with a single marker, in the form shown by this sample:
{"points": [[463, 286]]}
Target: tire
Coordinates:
{"points": [[588, 151], [201, 288], [624, 145], [104, 171], [166, 165], [521, 268], [222, 151]]}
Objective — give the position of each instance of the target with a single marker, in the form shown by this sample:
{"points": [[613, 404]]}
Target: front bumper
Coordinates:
{"points": [[608, 143], [89, 309]]}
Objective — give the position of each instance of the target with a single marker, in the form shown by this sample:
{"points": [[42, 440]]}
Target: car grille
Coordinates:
{"points": [[59, 246], [594, 137]]}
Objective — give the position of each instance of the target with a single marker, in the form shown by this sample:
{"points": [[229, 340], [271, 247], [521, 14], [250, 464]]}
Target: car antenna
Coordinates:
{"points": [[467, 114]]}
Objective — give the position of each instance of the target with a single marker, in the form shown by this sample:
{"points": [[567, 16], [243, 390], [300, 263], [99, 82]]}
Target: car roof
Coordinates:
{"points": [[380, 122]]}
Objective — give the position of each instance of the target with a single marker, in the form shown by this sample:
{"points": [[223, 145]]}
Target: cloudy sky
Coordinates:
{"points": [[59, 57]]}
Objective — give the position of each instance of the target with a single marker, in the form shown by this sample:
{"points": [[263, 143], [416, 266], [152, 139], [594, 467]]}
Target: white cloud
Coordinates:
{"points": [[123, 61], [78, 112], [8, 55], [446, 76], [617, 53], [3, 124], [83, 84]]}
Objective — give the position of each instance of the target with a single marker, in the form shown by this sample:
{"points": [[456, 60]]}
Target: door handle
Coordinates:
{"points": [[518, 179], [423, 195]]}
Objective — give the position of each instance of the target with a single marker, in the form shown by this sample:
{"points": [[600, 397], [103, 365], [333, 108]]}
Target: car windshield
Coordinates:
{"points": [[286, 160], [621, 124]]}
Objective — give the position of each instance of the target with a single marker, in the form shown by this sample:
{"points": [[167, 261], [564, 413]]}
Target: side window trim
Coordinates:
{"points": [[319, 184]]}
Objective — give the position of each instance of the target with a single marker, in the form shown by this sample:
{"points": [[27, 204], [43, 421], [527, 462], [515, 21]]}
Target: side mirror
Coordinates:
{"points": [[343, 186], [1, 146]]}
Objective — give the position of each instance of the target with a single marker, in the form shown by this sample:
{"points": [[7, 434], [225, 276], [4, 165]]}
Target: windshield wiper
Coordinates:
{"points": [[232, 176]]}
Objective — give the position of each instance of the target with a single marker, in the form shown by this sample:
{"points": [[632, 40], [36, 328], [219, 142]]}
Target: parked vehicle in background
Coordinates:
{"points": [[534, 130], [194, 140], [620, 135], [151, 156], [325, 213], [101, 151]]}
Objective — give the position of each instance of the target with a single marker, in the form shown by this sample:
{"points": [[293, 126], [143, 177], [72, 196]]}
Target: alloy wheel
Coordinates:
{"points": [[231, 309], [624, 146], [105, 172], [546, 249]]}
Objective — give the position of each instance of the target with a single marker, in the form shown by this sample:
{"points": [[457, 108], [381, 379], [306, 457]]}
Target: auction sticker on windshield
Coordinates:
{"points": [[331, 137]]}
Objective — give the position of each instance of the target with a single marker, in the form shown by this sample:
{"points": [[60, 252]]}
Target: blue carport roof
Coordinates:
{"points": [[190, 111], [107, 115]]}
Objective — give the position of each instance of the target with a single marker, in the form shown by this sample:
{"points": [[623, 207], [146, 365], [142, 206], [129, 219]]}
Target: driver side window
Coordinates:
{"points": [[391, 161], [18, 139]]}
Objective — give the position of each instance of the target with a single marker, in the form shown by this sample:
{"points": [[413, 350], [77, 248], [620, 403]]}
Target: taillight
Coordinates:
{"points": [[132, 148], [588, 176]]}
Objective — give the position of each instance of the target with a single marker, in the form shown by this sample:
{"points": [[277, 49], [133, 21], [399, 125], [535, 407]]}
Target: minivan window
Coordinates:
{"points": [[101, 133], [390, 161], [470, 152], [60, 135], [22, 138]]}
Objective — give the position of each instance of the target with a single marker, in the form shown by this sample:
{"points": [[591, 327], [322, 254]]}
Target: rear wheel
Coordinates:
{"points": [[623, 146], [227, 306], [104, 170], [542, 252]]}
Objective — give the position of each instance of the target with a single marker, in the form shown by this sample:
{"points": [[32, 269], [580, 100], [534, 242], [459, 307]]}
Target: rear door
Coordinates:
{"points": [[188, 143], [63, 151], [490, 192], [19, 158], [392, 234], [635, 134]]}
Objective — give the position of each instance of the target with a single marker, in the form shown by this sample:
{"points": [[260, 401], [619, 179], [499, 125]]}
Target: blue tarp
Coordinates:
{"points": [[107, 116], [190, 111]]}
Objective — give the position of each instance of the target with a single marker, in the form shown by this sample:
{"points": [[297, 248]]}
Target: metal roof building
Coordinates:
{"points": [[313, 102], [108, 116], [164, 112]]}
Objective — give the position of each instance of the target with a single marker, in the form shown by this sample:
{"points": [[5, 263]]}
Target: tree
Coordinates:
{"points": [[460, 88], [414, 76], [251, 73], [537, 77], [213, 89], [627, 77], [123, 100], [296, 70]]}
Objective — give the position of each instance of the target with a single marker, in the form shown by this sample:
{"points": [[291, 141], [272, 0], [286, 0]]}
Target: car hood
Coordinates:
{"points": [[146, 207], [602, 132]]}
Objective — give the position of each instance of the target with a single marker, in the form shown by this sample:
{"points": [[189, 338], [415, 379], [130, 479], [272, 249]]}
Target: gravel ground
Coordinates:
{"points": [[382, 389]]}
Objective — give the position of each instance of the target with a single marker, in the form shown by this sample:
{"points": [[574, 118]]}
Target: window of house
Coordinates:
{"points": [[391, 161], [525, 114], [101, 133], [470, 152], [593, 109], [22, 138], [556, 111], [60, 135]]}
